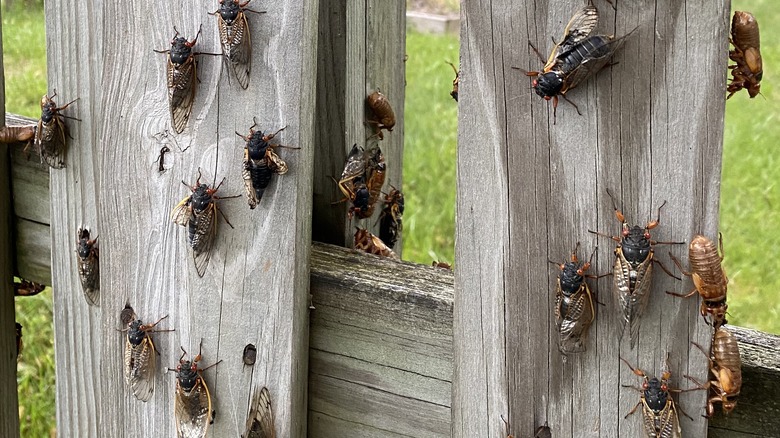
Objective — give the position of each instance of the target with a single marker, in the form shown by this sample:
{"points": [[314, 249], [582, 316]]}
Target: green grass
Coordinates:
{"points": [[430, 127], [750, 195], [24, 59]]}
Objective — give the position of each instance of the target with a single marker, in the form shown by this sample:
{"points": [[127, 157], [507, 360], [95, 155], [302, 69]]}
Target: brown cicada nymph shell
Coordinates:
{"points": [[367, 242], [749, 68], [383, 116]]}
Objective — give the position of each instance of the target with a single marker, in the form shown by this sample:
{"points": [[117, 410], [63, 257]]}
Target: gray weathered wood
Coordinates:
{"points": [[532, 187], [361, 49], [9, 403], [256, 286]]}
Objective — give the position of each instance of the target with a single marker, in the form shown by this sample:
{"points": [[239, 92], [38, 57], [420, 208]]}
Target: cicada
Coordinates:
{"points": [[367, 242], [441, 265], [659, 411], [375, 179], [182, 79], [140, 355], [455, 82], [89, 266], [749, 69], [198, 212], [383, 115], [577, 57], [250, 354], [19, 343], [260, 422], [14, 134], [725, 372], [235, 37], [633, 269], [574, 310], [51, 132], [709, 278], [390, 221], [353, 181], [260, 163], [27, 288], [192, 406]]}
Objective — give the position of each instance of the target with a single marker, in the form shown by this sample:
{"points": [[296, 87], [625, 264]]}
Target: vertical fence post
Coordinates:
{"points": [[532, 187]]}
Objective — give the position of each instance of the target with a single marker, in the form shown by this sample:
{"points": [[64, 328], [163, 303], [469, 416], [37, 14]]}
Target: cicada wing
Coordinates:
{"points": [[260, 422], [89, 273], [237, 47], [595, 62], [50, 142], [355, 165], [649, 421], [180, 214], [203, 241], [140, 368], [276, 164], [182, 82], [580, 26], [246, 173], [193, 410], [633, 295], [669, 423], [575, 320]]}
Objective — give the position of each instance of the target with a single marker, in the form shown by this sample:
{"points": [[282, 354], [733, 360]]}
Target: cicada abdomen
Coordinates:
{"points": [[260, 421], [633, 270], [198, 212], [182, 79], [192, 406], [14, 134], [709, 278], [574, 310], [749, 69], [88, 266], [260, 163], [391, 219], [367, 242], [725, 380], [50, 135], [27, 288], [140, 356], [659, 411], [235, 38], [382, 111]]}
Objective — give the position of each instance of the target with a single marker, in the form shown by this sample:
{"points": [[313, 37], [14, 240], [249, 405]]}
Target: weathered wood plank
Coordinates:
{"points": [[255, 289], [379, 372], [532, 187], [361, 49], [33, 251], [74, 65], [30, 185]]}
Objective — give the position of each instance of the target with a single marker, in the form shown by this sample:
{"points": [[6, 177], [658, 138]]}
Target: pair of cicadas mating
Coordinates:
{"points": [[579, 55], [362, 179], [181, 69], [749, 69], [260, 163], [391, 219]]}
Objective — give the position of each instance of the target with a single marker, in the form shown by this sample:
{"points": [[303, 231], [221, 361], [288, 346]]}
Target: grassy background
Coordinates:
{"points": [[750, 196]]}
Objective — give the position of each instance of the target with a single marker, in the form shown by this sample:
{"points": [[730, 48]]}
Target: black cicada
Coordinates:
{"points": [[362, 179], [27, 288], [250, 354], [198, 212], [140, 359], [260, 422], [367, 242], [192, 405], [455, 82], [574, 310], [578, 56], [633, 269], [89, 266], [659, 411], [390, 221], [51, 132], [182, 78], [260, 163], [235, 38], [19, 343]]}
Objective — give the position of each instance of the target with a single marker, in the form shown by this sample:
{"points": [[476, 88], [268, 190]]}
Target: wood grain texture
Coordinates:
{"points": [[530, 189], [381, 357], [361, 49]]}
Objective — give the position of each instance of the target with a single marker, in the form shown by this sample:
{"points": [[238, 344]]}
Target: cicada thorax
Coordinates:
{"points": [[88, 266], [382, 112], [391, 219], [726, 370], [51, 133], [748, 71], [659, 411], [574, 310], [367, 242], [235, 38], [192, 405], [260, 421]]}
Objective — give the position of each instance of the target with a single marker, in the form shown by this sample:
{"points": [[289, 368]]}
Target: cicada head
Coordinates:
{"points": [[48, 109], [84, 243], [656, 393], [187, 374], [202, 197], [228, 10], [548, 85], [257, 145], [636, 244], [181, 49], [728, 405], [570, 278], [136, 332]]}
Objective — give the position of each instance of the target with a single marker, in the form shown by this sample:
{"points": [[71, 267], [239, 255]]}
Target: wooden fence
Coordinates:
{"points": [[385, 351]]}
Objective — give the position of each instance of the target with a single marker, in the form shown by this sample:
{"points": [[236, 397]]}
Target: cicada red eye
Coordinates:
{"points": [[647, 235], [663, 388], [645, 385]]}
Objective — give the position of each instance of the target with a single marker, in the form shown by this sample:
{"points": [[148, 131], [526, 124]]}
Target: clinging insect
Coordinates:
{"points": [[235, 37]]}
